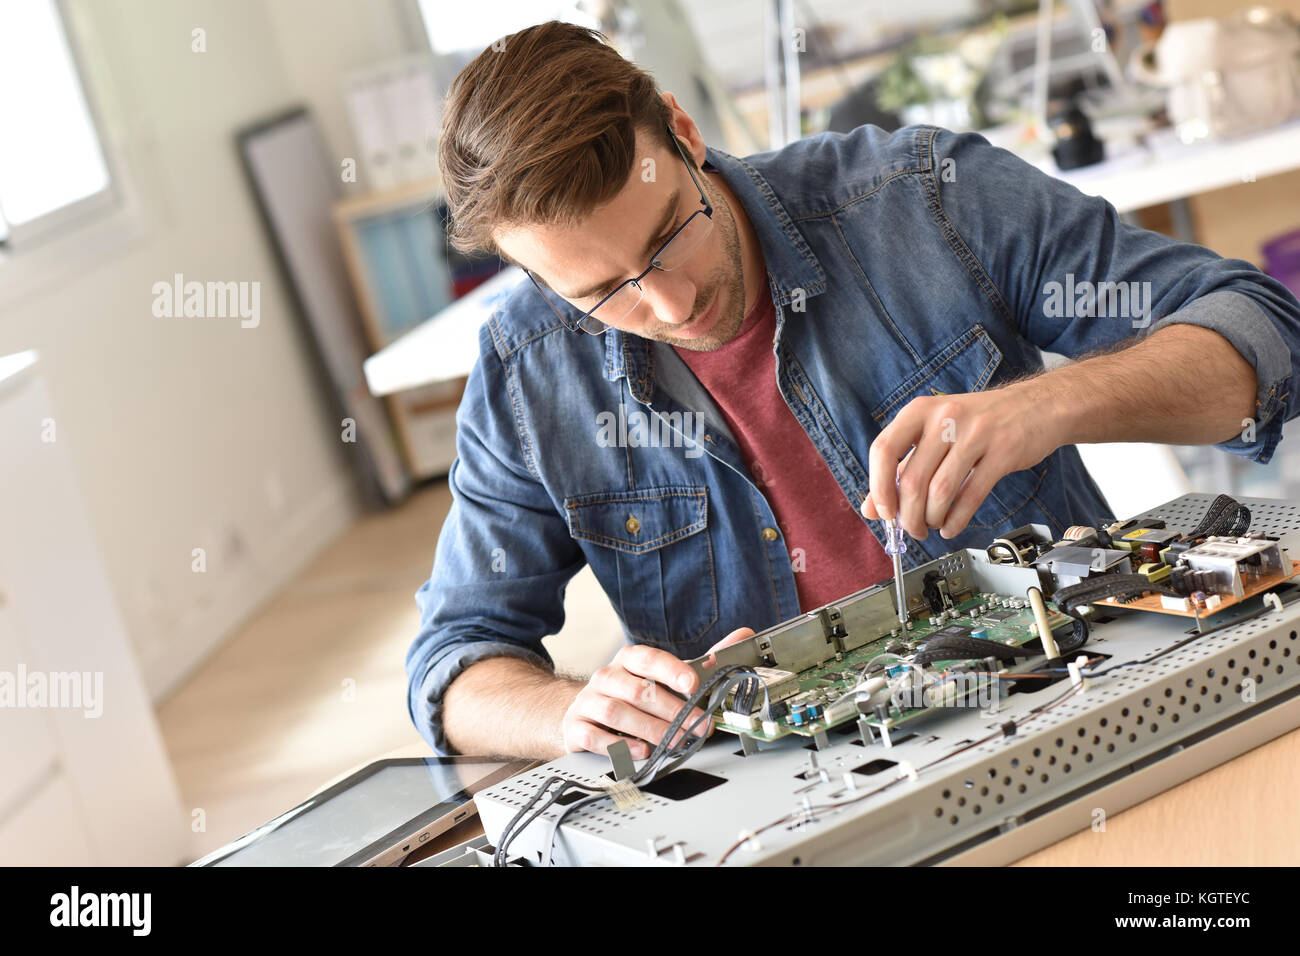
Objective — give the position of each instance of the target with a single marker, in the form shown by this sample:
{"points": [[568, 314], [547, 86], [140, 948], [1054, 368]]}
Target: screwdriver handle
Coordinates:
{"points": [[895, 539]]}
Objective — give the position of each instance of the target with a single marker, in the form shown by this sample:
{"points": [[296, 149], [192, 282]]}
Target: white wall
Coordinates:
{"points": [[192, 433]]}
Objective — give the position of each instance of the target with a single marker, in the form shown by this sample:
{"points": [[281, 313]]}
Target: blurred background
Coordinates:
{"points": [[233, 337]]}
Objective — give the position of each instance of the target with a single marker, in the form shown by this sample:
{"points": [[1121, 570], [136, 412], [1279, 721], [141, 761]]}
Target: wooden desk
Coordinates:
{"points": [[1241, 813]]}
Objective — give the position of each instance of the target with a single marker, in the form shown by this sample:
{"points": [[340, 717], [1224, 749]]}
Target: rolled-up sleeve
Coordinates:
{"points": [[503, 557], [1043, 251], [1257, 333]]}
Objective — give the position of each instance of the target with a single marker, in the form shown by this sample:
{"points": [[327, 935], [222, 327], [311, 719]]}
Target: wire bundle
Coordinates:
{"points": [[663, 760], [1225, 516]]}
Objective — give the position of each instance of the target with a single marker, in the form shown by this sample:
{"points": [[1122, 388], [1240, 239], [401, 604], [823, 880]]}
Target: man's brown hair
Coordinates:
{"points": [[540, 129]]}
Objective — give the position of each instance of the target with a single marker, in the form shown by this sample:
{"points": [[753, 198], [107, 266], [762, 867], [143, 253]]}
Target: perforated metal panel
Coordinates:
{"points": [[1267, 516], [1123, 716]]}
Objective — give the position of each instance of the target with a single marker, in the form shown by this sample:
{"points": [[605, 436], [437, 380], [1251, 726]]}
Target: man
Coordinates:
{"points": [[773, 337]]}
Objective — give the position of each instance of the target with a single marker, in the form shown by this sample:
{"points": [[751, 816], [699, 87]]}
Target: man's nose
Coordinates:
{"points": [[671, 298]]}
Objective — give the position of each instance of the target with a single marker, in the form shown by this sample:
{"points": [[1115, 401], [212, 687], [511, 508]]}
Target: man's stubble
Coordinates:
{"points": [[729, 278]]}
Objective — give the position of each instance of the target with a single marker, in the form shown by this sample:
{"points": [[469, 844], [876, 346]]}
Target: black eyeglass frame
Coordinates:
{"points": [[580, 323]]}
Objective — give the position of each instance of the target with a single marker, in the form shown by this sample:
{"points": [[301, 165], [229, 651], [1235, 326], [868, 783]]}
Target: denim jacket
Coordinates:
{"points": [[915, 263]]}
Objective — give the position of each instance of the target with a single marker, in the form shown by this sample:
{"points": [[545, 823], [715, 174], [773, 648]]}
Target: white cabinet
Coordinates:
{"points": [[84, 778]]}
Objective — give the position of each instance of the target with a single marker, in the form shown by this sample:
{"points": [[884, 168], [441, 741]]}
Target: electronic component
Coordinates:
{"points": [[1158, 538], [1043, 624], [1155, 571], [1079, 534], [1234, 559], [935, 592], [1146, 543], [1226, 570], [1070, 564], [748, 697], [1018, 547], [824, 695]]}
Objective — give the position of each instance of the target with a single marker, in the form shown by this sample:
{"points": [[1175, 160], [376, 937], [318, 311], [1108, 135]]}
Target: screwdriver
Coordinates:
{"points": [[895, 545]]}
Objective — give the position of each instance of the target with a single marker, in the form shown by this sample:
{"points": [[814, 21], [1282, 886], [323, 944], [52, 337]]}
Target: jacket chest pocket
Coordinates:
{"points": [[653, 556], [967, 364]]}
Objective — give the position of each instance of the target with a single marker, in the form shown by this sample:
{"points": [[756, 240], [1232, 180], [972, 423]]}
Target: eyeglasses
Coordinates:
{"points": [[620, 303]]}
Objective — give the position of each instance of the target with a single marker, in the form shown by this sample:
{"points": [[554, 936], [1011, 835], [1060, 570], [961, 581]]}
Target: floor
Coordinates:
{"points": [[313, 686]]}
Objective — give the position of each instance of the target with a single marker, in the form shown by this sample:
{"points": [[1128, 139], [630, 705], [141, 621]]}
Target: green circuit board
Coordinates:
{"points": [[829, 681]]}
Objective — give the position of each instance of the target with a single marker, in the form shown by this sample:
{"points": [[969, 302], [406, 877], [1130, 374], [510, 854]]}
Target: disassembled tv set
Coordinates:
{"points": [[1033, 683]]}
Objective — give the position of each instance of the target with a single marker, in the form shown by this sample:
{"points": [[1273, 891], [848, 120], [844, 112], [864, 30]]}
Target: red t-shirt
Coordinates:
{"points": [[840, 555]]}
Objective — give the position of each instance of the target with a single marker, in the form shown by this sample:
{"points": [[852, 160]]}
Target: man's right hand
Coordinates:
{"points": [[628, 695]]}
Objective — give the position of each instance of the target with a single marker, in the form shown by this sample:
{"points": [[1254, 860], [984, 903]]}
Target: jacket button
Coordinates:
{"points": [[769, 534], [632, 524]]}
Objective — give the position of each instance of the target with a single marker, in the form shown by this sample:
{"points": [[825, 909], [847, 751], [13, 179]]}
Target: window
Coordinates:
{"points": [[52, 166], [458, 27]]}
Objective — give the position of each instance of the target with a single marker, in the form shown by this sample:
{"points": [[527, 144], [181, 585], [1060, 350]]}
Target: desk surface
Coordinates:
{"points": [[1166, 169], [442, 348]]}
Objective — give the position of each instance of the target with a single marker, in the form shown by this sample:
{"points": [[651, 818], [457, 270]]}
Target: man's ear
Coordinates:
{"points": [[685, 128]]}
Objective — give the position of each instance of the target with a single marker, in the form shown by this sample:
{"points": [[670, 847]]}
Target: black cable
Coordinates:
{"points": [[663, 759], [692, 744], [508, 834], [585, 801], [1119, 586], [964, 647], [1224, 516], [1078, 636]]}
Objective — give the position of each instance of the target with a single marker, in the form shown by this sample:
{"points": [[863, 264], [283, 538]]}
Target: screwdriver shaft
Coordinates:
{"points": [[895, 546]]}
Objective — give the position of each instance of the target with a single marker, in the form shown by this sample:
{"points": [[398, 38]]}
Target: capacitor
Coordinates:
{"points": [[980, 632]]}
